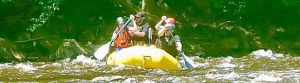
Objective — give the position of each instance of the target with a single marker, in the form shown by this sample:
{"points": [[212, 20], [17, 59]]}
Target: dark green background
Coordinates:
{"points": [[208, 28]]}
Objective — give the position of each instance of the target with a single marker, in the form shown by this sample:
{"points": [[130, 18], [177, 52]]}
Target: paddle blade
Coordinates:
{"points": [[189, 63], [101, 52]]}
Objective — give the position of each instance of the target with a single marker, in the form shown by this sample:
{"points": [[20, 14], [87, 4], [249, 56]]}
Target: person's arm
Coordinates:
{"points": [[114, 35], [133, 22], [160, 22], [179, 46], [162, 31], [144, 31], [177, 42], [134, 30], [139, 34]]}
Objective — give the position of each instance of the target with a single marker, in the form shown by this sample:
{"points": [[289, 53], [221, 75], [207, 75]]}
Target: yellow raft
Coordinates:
{"points": [[147, 57]]}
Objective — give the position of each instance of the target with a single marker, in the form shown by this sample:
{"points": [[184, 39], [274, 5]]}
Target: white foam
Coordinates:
{"points": [[5, 65], [99, 79], [148, 81], [173, 79], [129, 80], [25, 67], [267, 78], [85, 60], [194, 58], [43, 66], [118, 67], [158, 72], [210, 76], [279, 55], [266, 54], [229, 76], [227, 59], [226, 65], [56, 64], [202, 64]]}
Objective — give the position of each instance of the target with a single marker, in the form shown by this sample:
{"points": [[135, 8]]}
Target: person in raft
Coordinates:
{"points": [[138, 29], [123, 38], [165, 28]]}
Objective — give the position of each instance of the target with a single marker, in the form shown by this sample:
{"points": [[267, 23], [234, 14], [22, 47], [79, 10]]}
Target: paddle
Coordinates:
{"points": [[101, 52], [188, 63], [149, 36]]}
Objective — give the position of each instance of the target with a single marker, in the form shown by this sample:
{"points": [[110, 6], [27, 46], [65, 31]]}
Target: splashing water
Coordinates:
{"points": [[208, 28], [222, 69]]}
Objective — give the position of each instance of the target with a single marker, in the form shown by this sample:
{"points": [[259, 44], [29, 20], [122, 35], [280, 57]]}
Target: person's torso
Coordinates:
{"points": [[141, 40], [122, 39], [167, 43]]}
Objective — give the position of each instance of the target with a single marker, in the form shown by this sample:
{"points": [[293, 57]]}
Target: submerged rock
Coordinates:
{"points": [[9, 52], [68, 49]]}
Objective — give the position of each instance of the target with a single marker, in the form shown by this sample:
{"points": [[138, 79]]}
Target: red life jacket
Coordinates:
{"points": [[122, 39]]}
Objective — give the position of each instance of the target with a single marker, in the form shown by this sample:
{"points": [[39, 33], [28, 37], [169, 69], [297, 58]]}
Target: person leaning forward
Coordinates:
{"points": [[122, 40], [138, 29], [165, 28]]}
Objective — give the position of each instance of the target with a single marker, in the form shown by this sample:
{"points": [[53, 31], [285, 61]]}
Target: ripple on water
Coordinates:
{"points": [[220, 69]]}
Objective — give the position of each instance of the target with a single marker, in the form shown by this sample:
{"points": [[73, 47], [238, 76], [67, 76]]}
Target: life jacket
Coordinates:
{"points": [[122, 39]]}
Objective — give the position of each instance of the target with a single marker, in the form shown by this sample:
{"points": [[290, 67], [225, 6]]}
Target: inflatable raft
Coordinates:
{"points": [[147, 57]]}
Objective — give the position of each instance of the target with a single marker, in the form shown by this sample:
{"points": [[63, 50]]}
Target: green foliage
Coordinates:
{"points": [[49, 8], [207, 27]]}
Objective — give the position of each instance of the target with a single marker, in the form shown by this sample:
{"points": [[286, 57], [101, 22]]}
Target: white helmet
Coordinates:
{"points": [[120, 20]]}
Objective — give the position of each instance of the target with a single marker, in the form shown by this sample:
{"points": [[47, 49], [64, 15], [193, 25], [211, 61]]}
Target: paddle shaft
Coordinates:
{"points": [[123, 27], [187, 64], [114, 38], [149, 36], [101, 52]]}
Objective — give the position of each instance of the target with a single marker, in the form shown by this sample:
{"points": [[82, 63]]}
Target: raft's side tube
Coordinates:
{"points": [[147, 57]]}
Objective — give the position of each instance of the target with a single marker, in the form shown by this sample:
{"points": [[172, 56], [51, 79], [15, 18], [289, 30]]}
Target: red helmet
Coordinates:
{"points": [[170, 20]]}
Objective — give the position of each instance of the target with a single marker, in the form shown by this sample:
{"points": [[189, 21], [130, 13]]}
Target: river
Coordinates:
{"points": [[222, 69], [41, 40]]}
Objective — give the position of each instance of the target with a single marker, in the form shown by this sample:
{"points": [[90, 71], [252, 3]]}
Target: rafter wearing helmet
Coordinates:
{"points": [[165, 28]]}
